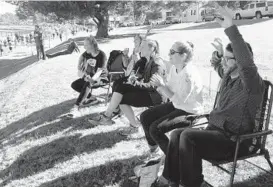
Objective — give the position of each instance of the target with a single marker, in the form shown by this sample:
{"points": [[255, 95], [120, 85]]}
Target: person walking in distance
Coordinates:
{"points": [[39, 40]]}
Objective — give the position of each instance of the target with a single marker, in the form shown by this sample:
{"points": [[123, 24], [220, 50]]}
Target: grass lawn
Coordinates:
{"points": [[38, 148]]}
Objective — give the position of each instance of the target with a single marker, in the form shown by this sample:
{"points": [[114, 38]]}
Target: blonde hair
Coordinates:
{"points": [[93, 42], [153, 44]]}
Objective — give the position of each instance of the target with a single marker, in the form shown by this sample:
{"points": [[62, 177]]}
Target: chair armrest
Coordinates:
{"points": [[253, 135]]}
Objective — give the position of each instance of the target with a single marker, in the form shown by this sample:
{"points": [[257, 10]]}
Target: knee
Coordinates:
{"points": [[73, 85], [175, 135], [186, 137], [145, 117]]}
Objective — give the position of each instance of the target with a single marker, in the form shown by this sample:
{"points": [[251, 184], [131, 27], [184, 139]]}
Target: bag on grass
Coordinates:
{"points": [[147, 172]]}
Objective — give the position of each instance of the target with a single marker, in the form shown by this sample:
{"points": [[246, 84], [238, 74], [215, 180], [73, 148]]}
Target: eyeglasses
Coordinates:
{"points": [[172, 52], [229, 58]]}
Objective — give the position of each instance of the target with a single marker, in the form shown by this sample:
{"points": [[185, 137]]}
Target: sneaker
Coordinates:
{"points": [[101, 119], [127, 131], [89, 102], [156, 155]]}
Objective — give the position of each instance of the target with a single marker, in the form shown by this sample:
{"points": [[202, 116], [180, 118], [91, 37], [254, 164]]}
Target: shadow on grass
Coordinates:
{"points": [[41, 158], [111, 173], [38, 118], [261, 180], [214, 25]]}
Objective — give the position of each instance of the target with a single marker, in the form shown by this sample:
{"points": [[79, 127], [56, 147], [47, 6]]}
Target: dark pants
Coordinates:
{"points": [[160, 119], [187, 148], [133, 95], [66, 52], [40, 49], [81, 86]]}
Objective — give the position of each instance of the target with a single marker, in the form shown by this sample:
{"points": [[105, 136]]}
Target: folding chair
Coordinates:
{"points": [[258, 136]]}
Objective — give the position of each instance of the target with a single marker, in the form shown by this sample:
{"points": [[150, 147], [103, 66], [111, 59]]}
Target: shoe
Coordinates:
{"points": [[89, 102], [101, 119], [161, 182], [155, 155], [128, 131]]}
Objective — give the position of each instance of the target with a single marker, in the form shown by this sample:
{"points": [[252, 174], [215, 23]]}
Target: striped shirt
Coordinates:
{"points": [[239, 98]]}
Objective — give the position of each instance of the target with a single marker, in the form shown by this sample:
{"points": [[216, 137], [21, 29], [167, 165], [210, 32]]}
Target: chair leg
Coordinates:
{"points": [[234, 164], [108, 90], [267, 157]]}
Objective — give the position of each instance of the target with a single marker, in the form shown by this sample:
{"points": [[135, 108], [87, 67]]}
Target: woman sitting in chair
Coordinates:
{"points": [[183, 88], [137, 90], [92, 72]]}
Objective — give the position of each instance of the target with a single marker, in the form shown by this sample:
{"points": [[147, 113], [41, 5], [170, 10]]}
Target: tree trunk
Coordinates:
{"points": [[103, 19]]}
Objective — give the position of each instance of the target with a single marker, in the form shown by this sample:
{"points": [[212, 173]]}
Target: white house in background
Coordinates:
{"points": [[192, 13]]}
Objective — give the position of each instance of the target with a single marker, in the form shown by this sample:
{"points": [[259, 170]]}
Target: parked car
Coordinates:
{"points": [[255, 9], [207, 15], [172, 20]]}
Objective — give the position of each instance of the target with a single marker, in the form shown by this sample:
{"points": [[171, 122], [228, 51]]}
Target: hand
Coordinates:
{"points": [[227, 18], [126, 51], [88, 78], [132, 79], [218, 45], [157, 81]]}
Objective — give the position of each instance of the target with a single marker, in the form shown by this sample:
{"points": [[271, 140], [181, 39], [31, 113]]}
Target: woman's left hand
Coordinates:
{"points": [[157, 81]]}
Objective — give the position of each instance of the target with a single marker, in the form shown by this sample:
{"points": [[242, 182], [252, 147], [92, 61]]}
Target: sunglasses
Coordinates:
{"points": [[172, 52], [229, 58]]}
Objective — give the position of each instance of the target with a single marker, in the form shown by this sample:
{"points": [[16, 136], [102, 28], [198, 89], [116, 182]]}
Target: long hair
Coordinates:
{"points": [[93, 42]]}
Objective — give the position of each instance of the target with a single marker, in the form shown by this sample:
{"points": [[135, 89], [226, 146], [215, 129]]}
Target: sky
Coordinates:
{"points": [[6, 7]]}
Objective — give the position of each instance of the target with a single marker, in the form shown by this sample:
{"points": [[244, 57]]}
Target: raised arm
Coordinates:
{"points": [[247, 69]]}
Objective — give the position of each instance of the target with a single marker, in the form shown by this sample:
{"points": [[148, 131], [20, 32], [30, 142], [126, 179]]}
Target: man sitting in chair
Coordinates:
{"points": [[240, 96], [93, 73]]}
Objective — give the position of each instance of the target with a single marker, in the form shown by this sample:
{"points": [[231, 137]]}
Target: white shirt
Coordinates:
{"points": [[187, 87]]}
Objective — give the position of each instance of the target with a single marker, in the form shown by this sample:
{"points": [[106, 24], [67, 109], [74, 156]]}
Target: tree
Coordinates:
{"points": [[68, 10], [9, 18]]}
